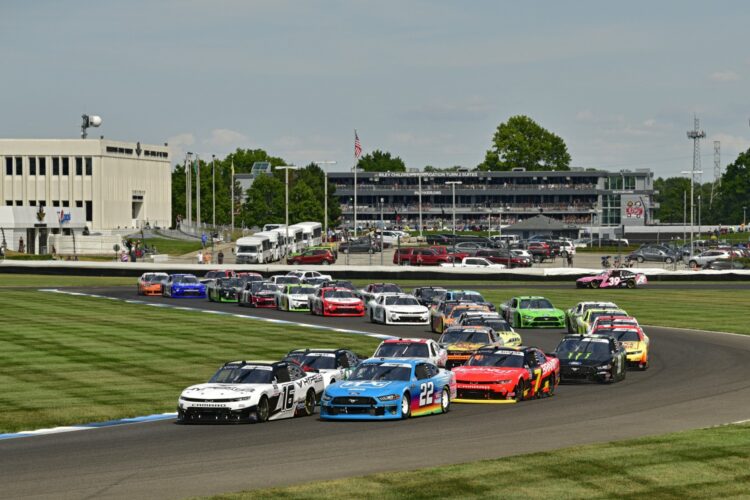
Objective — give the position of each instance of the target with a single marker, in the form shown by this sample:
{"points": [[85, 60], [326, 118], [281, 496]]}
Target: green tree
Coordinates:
{"points": [[521, 142], [734, 192], [671, 199], [313, 176], [431, 169], [265, 202], [304, 204], [380, 161]]}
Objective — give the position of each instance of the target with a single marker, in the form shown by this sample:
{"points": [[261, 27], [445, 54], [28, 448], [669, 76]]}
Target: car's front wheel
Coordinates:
{"points": [[519, 390], [406, 406], [262, 411], [309, 403]]}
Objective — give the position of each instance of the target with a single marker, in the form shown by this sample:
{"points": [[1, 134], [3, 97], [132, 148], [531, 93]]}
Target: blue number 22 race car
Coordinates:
{"points": [[385, 388]]}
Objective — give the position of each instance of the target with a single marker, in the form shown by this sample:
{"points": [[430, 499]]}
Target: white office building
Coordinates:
{"points": [[109, 185]]}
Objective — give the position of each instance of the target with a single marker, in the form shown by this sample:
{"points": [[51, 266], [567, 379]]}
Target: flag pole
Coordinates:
{"points": [[231, 206], [356, 138]]}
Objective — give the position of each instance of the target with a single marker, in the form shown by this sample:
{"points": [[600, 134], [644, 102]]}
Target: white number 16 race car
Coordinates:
{"points": [[250, 391]]}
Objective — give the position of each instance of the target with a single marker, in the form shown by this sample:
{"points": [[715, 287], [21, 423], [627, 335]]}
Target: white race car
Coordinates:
{"points": [[306, 275], [412, 348], [294, 298], [281, 280], [397, 308], [251, 391], [333, 364]]}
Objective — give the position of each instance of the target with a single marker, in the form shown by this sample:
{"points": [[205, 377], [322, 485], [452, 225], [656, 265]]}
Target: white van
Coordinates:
{"points": [[271, 227], [312, 232], [253, 250], [277, 243], [296, 238]]}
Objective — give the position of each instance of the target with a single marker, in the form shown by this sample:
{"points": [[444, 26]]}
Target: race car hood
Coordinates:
{"points": [[584, 362], [218, 391], [463, 347], [298, 296], [372, 388], [407, 309], [541, 312], [486, 373], [343, 301]]}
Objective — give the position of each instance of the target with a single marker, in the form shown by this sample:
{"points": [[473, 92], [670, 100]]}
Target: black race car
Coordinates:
{"points": [[429, 295], [225, 289], [596, 358]]}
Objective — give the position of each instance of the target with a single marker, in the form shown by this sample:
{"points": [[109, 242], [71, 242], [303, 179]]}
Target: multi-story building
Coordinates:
{"points": [[94, 183], [578, 196]]}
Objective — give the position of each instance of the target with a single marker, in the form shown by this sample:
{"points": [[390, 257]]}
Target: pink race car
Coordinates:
{"points": [[613, 278]]}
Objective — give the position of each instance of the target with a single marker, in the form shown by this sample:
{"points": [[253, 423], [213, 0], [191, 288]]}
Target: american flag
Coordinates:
{"points": [[357, 146]]}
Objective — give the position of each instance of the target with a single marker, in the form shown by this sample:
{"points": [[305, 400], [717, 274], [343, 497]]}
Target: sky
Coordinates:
{"points": [[426, 80]]}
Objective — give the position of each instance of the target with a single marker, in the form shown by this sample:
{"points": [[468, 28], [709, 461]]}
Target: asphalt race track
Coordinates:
{"points": [[696, 379]]}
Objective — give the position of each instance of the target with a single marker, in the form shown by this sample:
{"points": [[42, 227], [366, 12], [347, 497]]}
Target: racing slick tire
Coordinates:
{"points": [[640, 259], [445, 400], [630, 284], [406, 405], [310, 401], [517, 320], [551, 385], [263, 410], [519, 389]]}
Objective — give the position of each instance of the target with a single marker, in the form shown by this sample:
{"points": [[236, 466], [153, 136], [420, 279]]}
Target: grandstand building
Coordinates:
{"points": [[585, 198]]}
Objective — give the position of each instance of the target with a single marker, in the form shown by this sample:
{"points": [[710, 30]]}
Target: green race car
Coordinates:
{"points": [[573, 314], [587, 318], [294, 298], [532, 312], [224, 289]]}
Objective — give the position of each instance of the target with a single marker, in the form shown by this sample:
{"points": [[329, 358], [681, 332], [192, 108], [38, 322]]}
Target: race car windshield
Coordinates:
{"points": [[242, 375], [608, 313], [509, 360], [583, 349], [343, 284], [536, 304], [319, 362], [429, 294], [626, 335], [263, 287], [390, 289], [401, 301], [301, 290], [470, 336], [468, 296], [155, 278], [385, 371], [457, 312], [230, 282], [339, 294], [186, 279], [402, 350], [498, 325]]}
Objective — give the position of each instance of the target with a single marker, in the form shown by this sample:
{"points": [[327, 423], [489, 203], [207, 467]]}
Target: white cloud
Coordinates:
{"points": [[179, 145], [731, 145], [585, 116], [724, 76], [223, 137]]}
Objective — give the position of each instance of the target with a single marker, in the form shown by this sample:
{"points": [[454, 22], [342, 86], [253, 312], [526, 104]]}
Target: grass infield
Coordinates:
{"points": [[705, 463], [71, 360]]}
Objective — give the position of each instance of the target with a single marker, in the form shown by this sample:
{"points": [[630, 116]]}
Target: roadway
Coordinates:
{"points": [[696, 379]]}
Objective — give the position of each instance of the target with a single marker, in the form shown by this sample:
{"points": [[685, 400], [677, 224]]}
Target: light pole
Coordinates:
{"points": [[213, 191], [453, 192], [699, 216], [692, 203], [322, 164], [232, 195], [419, 178], [189, 188], [286, 169], [684, 219], [382, 227], [198, 191]]}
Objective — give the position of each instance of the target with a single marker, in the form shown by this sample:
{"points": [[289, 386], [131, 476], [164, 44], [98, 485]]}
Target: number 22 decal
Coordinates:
{"points": [[426, 394]]}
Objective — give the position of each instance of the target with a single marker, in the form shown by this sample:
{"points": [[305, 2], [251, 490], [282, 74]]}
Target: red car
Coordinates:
{"points": [[312, 256], [606, 322], [258, 294], [539, 250], [504, 257], [506, 375], [247, 276], [212, 275], [330, 301], [419, 257], [457, 256]]}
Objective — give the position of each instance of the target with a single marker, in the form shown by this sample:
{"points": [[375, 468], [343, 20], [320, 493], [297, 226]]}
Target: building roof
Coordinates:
{"points": [[540, 223]]}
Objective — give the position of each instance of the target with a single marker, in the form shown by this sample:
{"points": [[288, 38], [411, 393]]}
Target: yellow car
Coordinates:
{"points": [[493, 320], [446, 314], [463, 341], [635, 341]]}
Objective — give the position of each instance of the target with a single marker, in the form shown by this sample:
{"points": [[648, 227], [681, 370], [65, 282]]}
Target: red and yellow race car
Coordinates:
{"points": [[151, 283], [633, 339], [506, 375], [446, 314]]}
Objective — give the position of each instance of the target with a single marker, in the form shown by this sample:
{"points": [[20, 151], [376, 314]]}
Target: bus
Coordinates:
{"points": [[296, 239], [277, 243], [312, 233], [253, 250]]}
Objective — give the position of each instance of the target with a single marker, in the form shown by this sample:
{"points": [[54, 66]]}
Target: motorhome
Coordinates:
{"points": [[253, 250], [312, 233]]}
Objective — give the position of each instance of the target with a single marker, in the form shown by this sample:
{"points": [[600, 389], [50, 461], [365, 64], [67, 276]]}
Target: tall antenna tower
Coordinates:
{"points": [[717, 171], [696, 135]]}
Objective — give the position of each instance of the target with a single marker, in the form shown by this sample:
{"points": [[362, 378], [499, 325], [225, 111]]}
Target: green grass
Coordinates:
{"points": [[173, 247], [69, 360], [47, 281], [705, 463]]}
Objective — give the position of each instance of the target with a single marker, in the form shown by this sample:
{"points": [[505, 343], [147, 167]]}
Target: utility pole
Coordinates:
{"points": [[419, 177], [695, 135], [198, 191], [232, 203], [189, 188], [322, 165], [717, 172], [286, 169], [213, 191], [453, 191]]}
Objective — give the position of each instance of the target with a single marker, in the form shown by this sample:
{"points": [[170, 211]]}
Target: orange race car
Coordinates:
{"points": [[446, 314], [151, 283]]}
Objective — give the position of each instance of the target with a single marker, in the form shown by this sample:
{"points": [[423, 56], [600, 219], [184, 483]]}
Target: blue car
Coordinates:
{"points": [[184, 286], [389, 388]]}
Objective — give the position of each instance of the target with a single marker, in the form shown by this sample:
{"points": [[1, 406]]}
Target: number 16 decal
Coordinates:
{"points": [[426, 393]]}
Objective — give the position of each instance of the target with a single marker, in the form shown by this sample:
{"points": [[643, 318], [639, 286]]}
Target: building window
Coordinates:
{"points": [[19, 203], [66, 204], [55, 203], [42, 166], [56, 165], [630, 182], [89, 212], [19, 165], [32, 166], [8, 165], [66, 165], [42, 203], [8, 203], [79, 165], [610, 210], [32, 203], [79, 204], [89, 165]]}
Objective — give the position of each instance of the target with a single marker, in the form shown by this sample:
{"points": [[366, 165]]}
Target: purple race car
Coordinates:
{"points": [[613, 278]]}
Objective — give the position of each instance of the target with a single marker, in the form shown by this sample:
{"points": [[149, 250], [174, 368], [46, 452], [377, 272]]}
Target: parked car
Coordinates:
{"points": [[539, 250], [724, 264], [410, 256], [504, 257], [362, 245], [321, 256], [704, 258], [652, 254], [475, 263]]}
